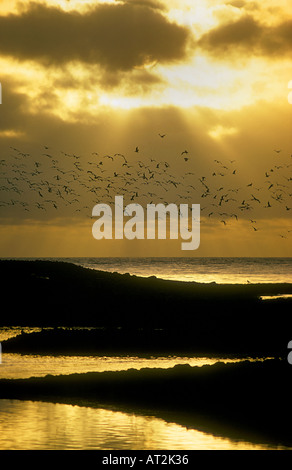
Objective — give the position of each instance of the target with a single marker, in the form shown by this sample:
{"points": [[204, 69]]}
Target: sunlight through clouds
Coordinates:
{"points": [[108, 77], [221, 131]]}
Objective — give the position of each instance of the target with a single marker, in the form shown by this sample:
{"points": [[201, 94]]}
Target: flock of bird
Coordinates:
{"points": [[65, 184]]}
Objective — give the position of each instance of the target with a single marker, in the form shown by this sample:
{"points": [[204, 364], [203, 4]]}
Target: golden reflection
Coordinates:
{"points": [[33, 425], [16, 366], [46, 426]]}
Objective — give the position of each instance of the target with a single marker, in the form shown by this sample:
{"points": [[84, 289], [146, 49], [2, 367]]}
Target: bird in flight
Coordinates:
{"points": [[137, 149], [162, 135]]}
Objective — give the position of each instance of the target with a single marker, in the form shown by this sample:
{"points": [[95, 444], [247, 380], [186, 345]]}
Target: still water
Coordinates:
{"points": [[37, 425], [18, 366], [22, 366], [27, 425]]}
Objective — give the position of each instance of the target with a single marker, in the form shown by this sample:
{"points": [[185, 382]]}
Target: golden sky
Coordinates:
{"points": [[83, 81]]}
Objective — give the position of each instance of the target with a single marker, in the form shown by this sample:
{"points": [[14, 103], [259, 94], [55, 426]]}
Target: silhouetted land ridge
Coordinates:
{"points": [[254, 397], [139, 314], [130, 315]]}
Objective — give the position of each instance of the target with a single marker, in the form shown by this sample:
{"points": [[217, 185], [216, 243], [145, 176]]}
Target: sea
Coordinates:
{"points": [[32, 425], [204, 270]]}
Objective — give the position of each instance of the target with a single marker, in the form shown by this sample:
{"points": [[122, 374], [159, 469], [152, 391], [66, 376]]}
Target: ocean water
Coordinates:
{"points": [[219, 270], [203, 270]]}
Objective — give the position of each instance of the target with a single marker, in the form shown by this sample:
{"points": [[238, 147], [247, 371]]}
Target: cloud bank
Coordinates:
{"points": [[118, 37], [249, 36]]}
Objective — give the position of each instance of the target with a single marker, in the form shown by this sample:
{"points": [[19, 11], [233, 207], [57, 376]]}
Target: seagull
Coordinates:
{"points": [[120, 155], [255, 199]]}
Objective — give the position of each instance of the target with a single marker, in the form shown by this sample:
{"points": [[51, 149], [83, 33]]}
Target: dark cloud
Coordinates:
{"points": [[115, 36], [13, 107], [136, 82], [246, 35]]}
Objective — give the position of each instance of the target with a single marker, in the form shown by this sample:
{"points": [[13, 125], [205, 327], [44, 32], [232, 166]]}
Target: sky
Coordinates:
{"points": [[182, 102]]}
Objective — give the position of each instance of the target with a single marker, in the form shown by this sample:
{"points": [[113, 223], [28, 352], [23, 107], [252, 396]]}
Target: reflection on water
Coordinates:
{"points": [[7, 332], [36, 425], [28, 365], [27, 425], [25, 366], [276, 297], [220, 270]]}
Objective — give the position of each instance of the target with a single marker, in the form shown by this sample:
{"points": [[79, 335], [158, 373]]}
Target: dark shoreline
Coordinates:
{"points": [[247, 401], [146, 315], [128, 342]]}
